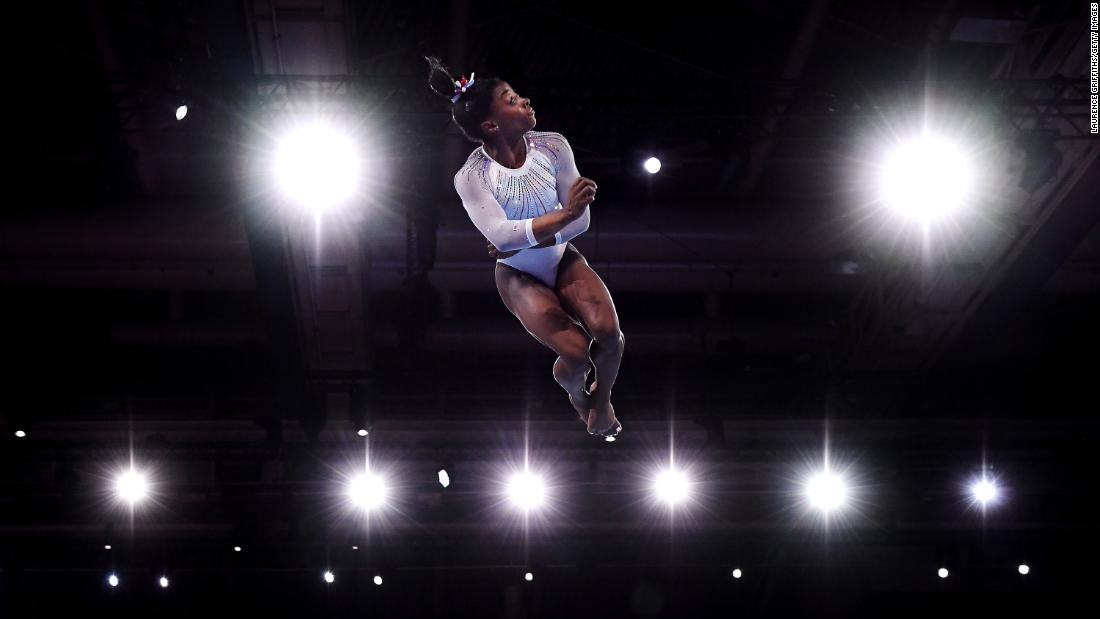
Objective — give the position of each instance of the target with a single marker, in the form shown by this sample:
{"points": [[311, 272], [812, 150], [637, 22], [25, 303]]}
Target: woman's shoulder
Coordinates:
{"points": [[546, 137], [476, 166], [550, 142]]}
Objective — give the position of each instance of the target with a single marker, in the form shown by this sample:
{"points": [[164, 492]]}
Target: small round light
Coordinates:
{"points": [[112, 580], [163, 582], [181, 112], [609, 439], [362, 432], [355, 548], [943, 572], [378, 580], [737, 573], [984, 491], [528, 576], [330, 577], [107, 547], [20, 434], [653, 165], [236, 549], [1024, 569]]}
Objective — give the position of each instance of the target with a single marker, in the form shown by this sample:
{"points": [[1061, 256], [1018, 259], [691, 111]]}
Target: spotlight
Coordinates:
{"points": [[236, 549], [653, 165], [20, 434], [926, 179], [526, 490], [528, 576], [444, 478], [330, 577], [671, 486], [355, 548], [826, 492], [107, 547], [367, 490], [609, 439], [1024, 569], [181, 112], [737, 574], [112, 580], [378, 580], [362, 432], [163, 582], [317, 167], [984, 492], [131, 487], [943, 572]]}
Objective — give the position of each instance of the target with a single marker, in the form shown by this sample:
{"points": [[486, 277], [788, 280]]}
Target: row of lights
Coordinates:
{"points": [[113, 580], [924, 179], [330, 578], [825, 491]]}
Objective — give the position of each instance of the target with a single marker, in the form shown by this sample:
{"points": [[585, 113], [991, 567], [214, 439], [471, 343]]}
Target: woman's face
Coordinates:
{"points": [[510, 113]]}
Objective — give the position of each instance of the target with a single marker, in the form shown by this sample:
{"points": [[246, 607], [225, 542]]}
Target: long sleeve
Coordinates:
{"points": [[566, 175], [489, 218]]}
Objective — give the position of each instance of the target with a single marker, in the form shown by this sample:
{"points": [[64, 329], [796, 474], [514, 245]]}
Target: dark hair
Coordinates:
{"points": [[473, 107]]}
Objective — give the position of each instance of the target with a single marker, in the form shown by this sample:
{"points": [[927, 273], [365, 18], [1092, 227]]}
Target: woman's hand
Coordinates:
{"points": [[581, 194], [496, 253]]}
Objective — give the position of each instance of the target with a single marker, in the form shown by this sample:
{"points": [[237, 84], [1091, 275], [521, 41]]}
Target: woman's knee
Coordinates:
{"points": [[607, 334], [572, 345]]}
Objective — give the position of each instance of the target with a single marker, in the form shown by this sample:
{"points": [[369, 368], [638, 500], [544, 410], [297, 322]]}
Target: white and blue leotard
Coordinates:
{"points": [[502, 202]]}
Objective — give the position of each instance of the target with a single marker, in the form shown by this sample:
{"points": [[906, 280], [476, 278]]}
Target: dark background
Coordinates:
{"points": [[160, 302]]}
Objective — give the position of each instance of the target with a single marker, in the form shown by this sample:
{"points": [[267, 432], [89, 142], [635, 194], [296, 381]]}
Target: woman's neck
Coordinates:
{"points": [[508, 153]]}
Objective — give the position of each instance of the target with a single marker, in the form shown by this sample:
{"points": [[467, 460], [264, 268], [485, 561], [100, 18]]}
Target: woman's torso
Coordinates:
{"points": [[527, 191]]}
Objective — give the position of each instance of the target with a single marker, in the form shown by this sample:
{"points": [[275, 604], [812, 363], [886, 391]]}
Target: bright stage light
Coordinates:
{"points": [[317, 167], [163, 582], [112, 580], [526, 490], [653, 165], [329, 577], [943, 572], [181, 112], [826, 491], [367, 490], [362, 432], [1024, 569], [444, 478], [20, 434], [926, 179], [236, 549], [528, 576], [131, 487], [671, 486], [378, 580], [737, 573], [984, 492]]}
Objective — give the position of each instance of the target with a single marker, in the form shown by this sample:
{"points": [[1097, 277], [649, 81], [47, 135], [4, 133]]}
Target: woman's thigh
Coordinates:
{"points": [[540, 311]]}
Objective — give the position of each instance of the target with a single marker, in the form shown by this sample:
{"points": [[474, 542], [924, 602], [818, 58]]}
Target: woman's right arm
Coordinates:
{"points": [[506, 234]]}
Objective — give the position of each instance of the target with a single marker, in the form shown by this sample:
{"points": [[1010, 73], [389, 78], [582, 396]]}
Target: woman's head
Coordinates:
{"points": [[487, 109]]}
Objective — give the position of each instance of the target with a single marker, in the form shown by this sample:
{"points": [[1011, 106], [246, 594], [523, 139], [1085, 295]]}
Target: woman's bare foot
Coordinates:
{"points": [[600, 421]]}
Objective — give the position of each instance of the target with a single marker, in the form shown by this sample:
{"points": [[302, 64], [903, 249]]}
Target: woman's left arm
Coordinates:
{"points": [[566, 175]]}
